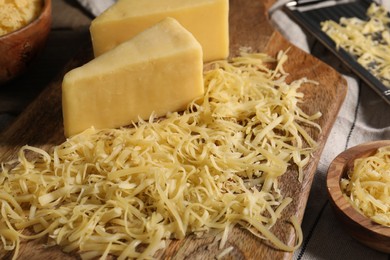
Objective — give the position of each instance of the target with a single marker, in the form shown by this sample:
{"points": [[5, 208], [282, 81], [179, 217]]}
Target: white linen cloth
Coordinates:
{"points": [[364, 117], [96, 7]]}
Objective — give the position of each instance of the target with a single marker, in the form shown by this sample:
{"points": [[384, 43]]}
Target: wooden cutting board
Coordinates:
{"points": [[41, 125]]}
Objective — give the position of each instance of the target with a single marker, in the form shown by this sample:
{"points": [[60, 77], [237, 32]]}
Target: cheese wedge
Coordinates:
{"points": [[158, 71], [207, 20]]}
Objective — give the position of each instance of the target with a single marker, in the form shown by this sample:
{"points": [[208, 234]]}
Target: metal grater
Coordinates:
{"points": [[310, 13]]}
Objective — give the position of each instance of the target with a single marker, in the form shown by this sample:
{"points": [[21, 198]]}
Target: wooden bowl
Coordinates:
{"points": [[19, 47], [357, 225]]}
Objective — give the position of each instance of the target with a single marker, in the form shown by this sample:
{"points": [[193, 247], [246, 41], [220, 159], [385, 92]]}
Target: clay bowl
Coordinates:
{"points": [[19, 47], [357, 225]]}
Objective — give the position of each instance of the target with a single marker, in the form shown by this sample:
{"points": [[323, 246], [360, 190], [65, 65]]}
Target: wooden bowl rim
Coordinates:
{"points": [[338, 169], [45, 12]]}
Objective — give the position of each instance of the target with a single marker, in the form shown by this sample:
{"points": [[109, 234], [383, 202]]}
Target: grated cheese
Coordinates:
{"points": [[367, 40], [225, 252], [124, 192], [368, 186], [15, 14]]}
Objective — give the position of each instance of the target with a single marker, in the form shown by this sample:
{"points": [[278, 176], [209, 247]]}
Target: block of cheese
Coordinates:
{"points": [[207, 20], [158, 71]]}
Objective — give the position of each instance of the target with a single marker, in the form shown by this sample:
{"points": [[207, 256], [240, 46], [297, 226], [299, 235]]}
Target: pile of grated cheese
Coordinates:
{"points": [[368, 186], [367, 40], [15, 14], [124, 192]]}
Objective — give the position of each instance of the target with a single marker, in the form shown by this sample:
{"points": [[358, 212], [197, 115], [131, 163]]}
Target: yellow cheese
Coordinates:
{"points": [[157, 71], [207, 20]]}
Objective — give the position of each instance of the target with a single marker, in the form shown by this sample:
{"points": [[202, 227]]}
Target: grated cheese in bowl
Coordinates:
{"points": [[124, 192], [368, 186], [15, 14]]}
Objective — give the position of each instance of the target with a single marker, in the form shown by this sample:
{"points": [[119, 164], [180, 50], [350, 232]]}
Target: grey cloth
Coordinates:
{"points": [[364, 117]]}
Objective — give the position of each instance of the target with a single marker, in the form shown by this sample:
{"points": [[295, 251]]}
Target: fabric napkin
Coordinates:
{"points": [[364, 117], [96, 7]]}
